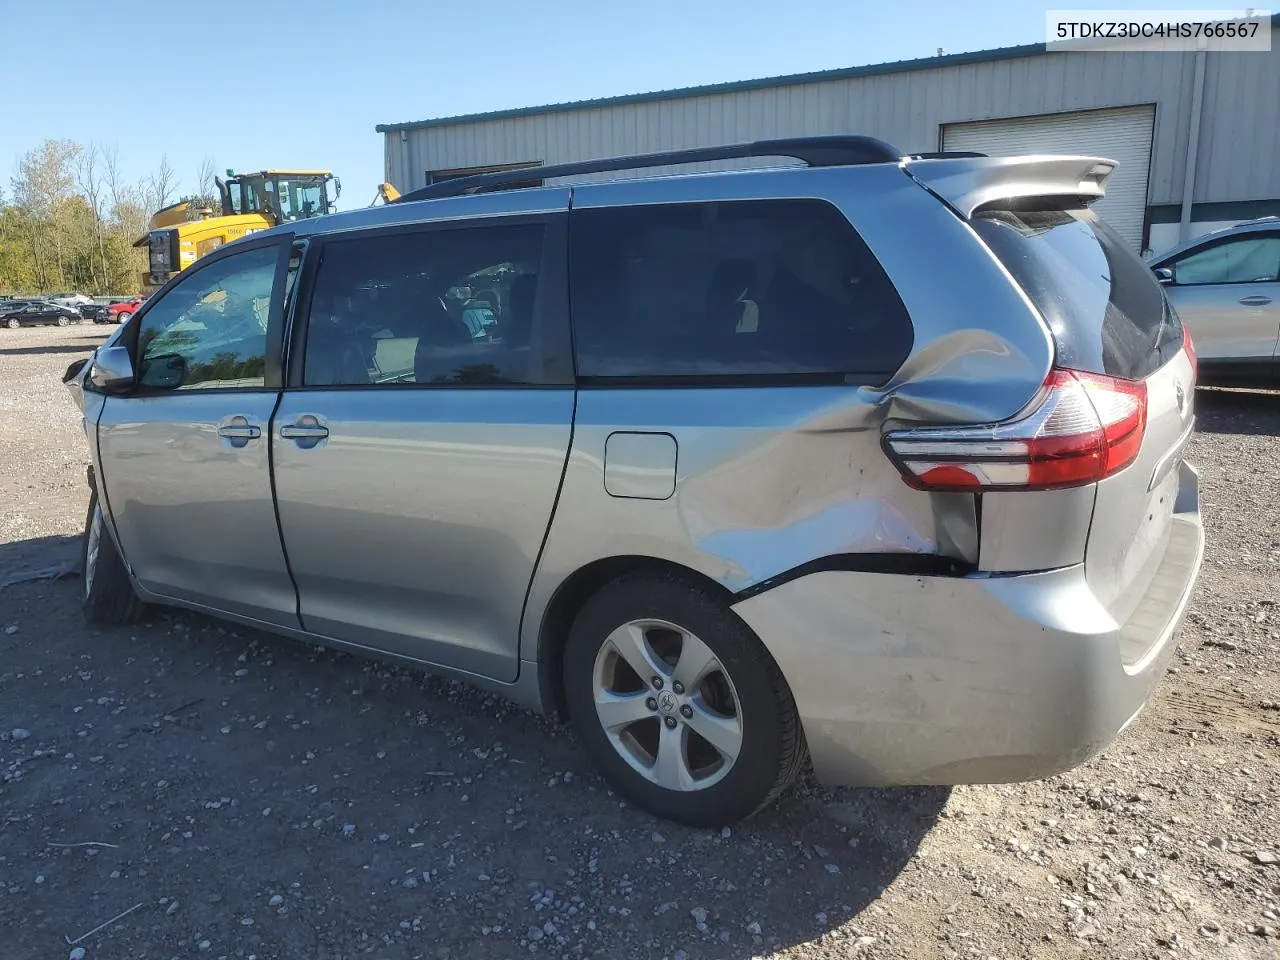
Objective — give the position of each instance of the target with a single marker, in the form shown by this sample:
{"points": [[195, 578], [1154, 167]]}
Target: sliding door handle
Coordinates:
{"points": [[303, 431], [307, 431]]}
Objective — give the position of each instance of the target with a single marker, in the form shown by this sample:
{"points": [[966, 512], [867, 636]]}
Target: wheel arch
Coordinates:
{"points": [[574, 592]]}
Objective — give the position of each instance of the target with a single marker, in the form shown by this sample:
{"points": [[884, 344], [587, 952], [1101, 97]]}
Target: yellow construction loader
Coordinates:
{"points": [[178, 235]]}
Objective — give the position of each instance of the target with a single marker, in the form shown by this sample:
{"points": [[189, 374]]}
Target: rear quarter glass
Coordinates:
{"points": [[1103, 306], [731, 290]]}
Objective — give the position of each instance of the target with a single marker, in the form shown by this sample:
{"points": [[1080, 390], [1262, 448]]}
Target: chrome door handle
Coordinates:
{"points": [[307, 431], [303, 431], [238, 428], [1255, 301], [240, 432]]}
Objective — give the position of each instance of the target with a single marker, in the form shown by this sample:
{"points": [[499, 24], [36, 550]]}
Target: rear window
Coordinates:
{"points": [[731, 291], [1104, 307]]}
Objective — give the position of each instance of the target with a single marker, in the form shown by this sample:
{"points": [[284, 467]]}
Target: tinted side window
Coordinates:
{"points": [[210, 329], [731, 289], [1247, 260], [1103, 306], [449, 306]]}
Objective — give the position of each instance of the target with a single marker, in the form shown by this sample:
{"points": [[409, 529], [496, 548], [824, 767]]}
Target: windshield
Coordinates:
{"points": [[281, 197], [300, 199]]}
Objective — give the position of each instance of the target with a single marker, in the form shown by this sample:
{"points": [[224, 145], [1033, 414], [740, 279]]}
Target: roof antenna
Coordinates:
{"points": [[940, 51]]}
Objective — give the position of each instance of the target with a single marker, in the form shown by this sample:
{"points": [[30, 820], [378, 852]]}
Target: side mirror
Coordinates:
{"points": [[1164, 275], [74, 370], [337, 191], [112, 370]]}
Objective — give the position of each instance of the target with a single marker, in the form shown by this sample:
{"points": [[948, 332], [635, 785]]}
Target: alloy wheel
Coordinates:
{"points": [[667, 705]]}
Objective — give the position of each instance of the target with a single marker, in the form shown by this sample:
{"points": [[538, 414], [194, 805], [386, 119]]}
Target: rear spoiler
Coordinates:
{"points": [[967, 184]]}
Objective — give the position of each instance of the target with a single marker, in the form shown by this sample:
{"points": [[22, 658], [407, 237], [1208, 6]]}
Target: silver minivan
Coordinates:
{"points": [[871, 460]]}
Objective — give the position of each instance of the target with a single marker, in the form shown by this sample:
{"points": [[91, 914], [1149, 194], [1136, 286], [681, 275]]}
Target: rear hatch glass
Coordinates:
{"points": [[1103, 306], [1108, 315]]}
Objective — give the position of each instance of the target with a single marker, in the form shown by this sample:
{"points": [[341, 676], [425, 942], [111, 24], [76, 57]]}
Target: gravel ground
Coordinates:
{"points": [[237, 795]]}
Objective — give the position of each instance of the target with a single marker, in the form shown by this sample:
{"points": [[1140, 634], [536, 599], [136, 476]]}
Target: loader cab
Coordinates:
{"points": [[281, 195]]}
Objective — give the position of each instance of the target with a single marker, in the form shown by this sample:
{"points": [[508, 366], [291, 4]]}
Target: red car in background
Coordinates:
{"points": [[122, 311]]}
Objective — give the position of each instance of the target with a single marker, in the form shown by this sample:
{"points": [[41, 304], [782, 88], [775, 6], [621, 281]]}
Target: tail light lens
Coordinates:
{"points": [[1081, 428], [1190, 349]]}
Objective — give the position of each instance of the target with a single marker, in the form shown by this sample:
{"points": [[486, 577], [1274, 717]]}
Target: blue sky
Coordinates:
{"points": [[255, 84]]}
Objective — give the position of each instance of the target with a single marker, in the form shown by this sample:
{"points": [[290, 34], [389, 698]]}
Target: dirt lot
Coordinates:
{"points": [[251, 797]]}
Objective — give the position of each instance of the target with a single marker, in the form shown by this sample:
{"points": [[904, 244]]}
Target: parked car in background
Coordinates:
{"points": [[1225, 286], [73, 300], [875, 460], [95, 312], [38, 313], [122, 310]]}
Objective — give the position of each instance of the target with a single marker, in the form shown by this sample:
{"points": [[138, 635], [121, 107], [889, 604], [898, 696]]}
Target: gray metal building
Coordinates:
{"points": [[1197, 134]]}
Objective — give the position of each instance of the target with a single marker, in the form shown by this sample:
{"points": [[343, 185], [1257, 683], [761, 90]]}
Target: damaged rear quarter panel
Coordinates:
{"points": [[769, 478]]}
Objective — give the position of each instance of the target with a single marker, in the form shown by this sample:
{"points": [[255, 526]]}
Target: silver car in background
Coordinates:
{"points": [[874, 461], [1225, 286]]}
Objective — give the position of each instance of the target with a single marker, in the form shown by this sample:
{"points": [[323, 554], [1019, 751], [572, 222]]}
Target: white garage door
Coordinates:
{"points": [[1123, 135]]}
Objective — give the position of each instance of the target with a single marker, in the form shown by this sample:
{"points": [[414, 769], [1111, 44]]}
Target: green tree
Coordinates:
{"points": [[70, 219]]}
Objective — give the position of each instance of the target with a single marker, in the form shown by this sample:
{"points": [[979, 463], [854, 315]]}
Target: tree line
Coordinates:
{"points": [[70, 218]]}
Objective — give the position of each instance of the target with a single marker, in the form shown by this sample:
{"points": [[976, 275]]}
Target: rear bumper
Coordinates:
{"points": [[984, 679]]}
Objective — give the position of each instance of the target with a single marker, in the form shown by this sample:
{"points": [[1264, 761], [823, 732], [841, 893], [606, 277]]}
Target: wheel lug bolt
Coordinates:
{"points": [[651, 703], [670, 722], [686, 711], [657, 683], [678, 687]]}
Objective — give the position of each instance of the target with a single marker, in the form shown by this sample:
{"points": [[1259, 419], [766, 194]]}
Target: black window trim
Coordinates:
{"points": [[694, 381], [551, 307], [875, 378], [275, 316], [1170, 261], [306, 245]]}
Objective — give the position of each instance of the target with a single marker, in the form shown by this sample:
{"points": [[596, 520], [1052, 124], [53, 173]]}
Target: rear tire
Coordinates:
{"points": [[107, 596], [708, 674], [12, 323], [123, 317]]}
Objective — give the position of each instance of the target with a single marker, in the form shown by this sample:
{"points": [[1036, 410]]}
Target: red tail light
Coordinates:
{"points": [[1190, 348], [1081, 428]]}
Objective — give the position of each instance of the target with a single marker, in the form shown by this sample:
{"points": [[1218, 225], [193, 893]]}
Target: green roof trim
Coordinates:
{"points": [[734, 86]]}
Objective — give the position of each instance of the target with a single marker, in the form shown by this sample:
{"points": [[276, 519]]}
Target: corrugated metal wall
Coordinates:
{"points": [[1240, 129], [1240, 132]]}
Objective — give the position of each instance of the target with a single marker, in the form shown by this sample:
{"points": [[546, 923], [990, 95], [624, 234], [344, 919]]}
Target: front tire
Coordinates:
{"points": [[123, 316], [63, 321], [679, 703], [107, 596]]}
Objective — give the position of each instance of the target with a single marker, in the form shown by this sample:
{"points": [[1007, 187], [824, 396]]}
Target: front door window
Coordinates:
{"points": [[210, 330]]}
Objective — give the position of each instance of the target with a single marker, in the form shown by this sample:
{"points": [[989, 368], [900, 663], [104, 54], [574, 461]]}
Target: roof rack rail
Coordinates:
{"points": [[812, 151]]}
